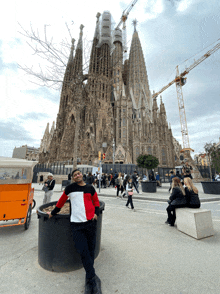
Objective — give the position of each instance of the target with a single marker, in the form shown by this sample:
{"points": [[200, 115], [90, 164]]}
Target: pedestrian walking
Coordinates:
{"points": [[89, 179], [83, 221], [129, 192], [158, 179], [119, 185], [49, 185], [134, 181], [41, 179]]}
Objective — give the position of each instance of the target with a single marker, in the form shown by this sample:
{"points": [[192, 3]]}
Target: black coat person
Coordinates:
{"points": [[192, 197], [177, 200]]}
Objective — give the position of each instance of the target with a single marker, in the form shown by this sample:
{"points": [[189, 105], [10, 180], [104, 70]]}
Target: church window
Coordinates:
{"points": [[124, 110], [100, 134], [124, 122], [72, 118], [119, 123], [137, 151], [103, 123], [163, 156], [118, 71], [149, 151], [124, 133], [119, 135]]}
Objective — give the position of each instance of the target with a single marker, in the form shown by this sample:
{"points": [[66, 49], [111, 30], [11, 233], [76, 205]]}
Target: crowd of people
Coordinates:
{"points": [[83, 218]]}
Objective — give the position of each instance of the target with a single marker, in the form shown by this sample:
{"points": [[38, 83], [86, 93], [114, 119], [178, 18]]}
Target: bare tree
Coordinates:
{"points": [[51, 75]]}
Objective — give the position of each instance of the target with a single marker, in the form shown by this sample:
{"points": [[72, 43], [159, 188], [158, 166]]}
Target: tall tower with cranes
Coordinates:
{"points": [[116, 105]]}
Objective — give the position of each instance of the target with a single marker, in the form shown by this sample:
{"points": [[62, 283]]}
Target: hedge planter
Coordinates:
{"points": [[56, 248], [149, 187], [211, 187]]}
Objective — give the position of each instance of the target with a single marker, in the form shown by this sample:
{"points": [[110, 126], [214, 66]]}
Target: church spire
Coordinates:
{"points": [[79, 45], [71, 51], [78, 59], [138, 79]]}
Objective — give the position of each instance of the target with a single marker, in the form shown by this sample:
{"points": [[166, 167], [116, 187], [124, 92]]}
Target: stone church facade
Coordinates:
{"points": [[110, 104]]}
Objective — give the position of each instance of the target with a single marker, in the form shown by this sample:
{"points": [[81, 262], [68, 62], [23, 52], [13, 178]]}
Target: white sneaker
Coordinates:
{"points": [[140, 193]]}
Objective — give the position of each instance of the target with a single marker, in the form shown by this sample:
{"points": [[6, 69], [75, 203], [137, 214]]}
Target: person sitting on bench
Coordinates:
{"points": [[177, 200], [192, 197]]}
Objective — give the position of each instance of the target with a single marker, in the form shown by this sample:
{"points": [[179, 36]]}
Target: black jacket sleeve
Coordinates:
{"points": [[174, 194], [51, 185]]}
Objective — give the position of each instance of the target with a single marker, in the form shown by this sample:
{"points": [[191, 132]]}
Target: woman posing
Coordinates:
{"points": [[177, 200], [192, 197]]}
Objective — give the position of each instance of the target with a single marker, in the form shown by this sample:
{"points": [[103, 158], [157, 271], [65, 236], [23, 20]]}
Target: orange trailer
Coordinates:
{"points": [[16, 193]]}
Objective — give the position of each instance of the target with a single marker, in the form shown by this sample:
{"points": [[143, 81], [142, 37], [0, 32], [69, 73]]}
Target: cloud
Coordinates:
{"points": [[45, 93], [12, 130], [33, 116], [4, 65]]}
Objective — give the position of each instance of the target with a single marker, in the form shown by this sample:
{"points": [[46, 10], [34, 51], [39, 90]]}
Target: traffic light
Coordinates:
{"points": [[103, 156], [99, 155]]}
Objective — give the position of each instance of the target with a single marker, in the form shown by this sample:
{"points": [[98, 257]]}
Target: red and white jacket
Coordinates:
{"points": [[84, 202]]}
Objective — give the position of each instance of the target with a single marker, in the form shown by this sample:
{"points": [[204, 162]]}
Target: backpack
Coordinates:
{"points": [[117, 181]]}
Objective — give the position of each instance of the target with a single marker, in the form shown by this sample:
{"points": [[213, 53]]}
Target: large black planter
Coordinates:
{"points": [[211, 187], [149, 187], [56, 248]]}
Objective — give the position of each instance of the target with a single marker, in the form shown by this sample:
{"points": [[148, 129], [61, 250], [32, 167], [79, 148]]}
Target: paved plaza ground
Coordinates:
{"points": [[139, 253]]}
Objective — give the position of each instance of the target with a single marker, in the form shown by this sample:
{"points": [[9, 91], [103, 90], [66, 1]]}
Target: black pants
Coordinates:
{"points": [[119, 189], [130, 201], [135, 186], [85, 240], [172, 213]]}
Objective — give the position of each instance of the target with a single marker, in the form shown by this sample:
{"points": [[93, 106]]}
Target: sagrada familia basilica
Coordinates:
{"points": [[109, 106]]}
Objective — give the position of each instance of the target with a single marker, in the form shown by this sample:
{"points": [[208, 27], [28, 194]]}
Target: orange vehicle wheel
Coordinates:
{"points": [[28, 218], [34, 203]]}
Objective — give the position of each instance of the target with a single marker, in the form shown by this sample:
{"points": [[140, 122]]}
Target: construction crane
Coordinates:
{"points": [[124, 17], [180, 81]]}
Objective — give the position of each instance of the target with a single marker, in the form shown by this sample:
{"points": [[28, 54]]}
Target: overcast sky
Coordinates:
{"points": [[171, 32]]}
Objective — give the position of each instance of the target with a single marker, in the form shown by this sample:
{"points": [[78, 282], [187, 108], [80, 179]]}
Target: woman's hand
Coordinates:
{"points": [[95, 217], [49, 214]]}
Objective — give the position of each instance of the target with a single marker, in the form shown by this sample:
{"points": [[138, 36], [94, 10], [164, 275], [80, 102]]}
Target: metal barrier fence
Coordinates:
{"points": [[205, 171], [59, 168]]}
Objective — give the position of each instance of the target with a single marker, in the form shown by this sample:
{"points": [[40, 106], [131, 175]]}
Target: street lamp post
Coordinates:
{"points": [[113, 152]]}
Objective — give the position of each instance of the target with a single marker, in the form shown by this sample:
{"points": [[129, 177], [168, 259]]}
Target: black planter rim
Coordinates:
{"points": [[44, 214]]}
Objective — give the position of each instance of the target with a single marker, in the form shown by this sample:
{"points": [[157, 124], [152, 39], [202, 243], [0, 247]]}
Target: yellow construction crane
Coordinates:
{"points": [[180, 81], [124, 17]]}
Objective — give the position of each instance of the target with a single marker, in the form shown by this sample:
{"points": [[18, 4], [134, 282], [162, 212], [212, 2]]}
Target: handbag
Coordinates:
{"points": [[130, 193], [45, 188]]}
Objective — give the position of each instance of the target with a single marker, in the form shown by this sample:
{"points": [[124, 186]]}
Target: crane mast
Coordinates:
{"points": [[183, 123], [124, 17], [180, 81]]}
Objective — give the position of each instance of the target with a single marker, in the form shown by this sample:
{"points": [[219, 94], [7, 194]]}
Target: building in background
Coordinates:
{"points": [[201, 159], [109, 109], [26, 152]]}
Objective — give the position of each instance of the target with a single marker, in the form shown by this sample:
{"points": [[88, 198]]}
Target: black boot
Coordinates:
{"points": [[88, 287], [96, 285]]}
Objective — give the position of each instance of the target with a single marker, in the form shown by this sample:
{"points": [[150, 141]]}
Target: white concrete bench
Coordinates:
{"points": [[196, 223]]}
